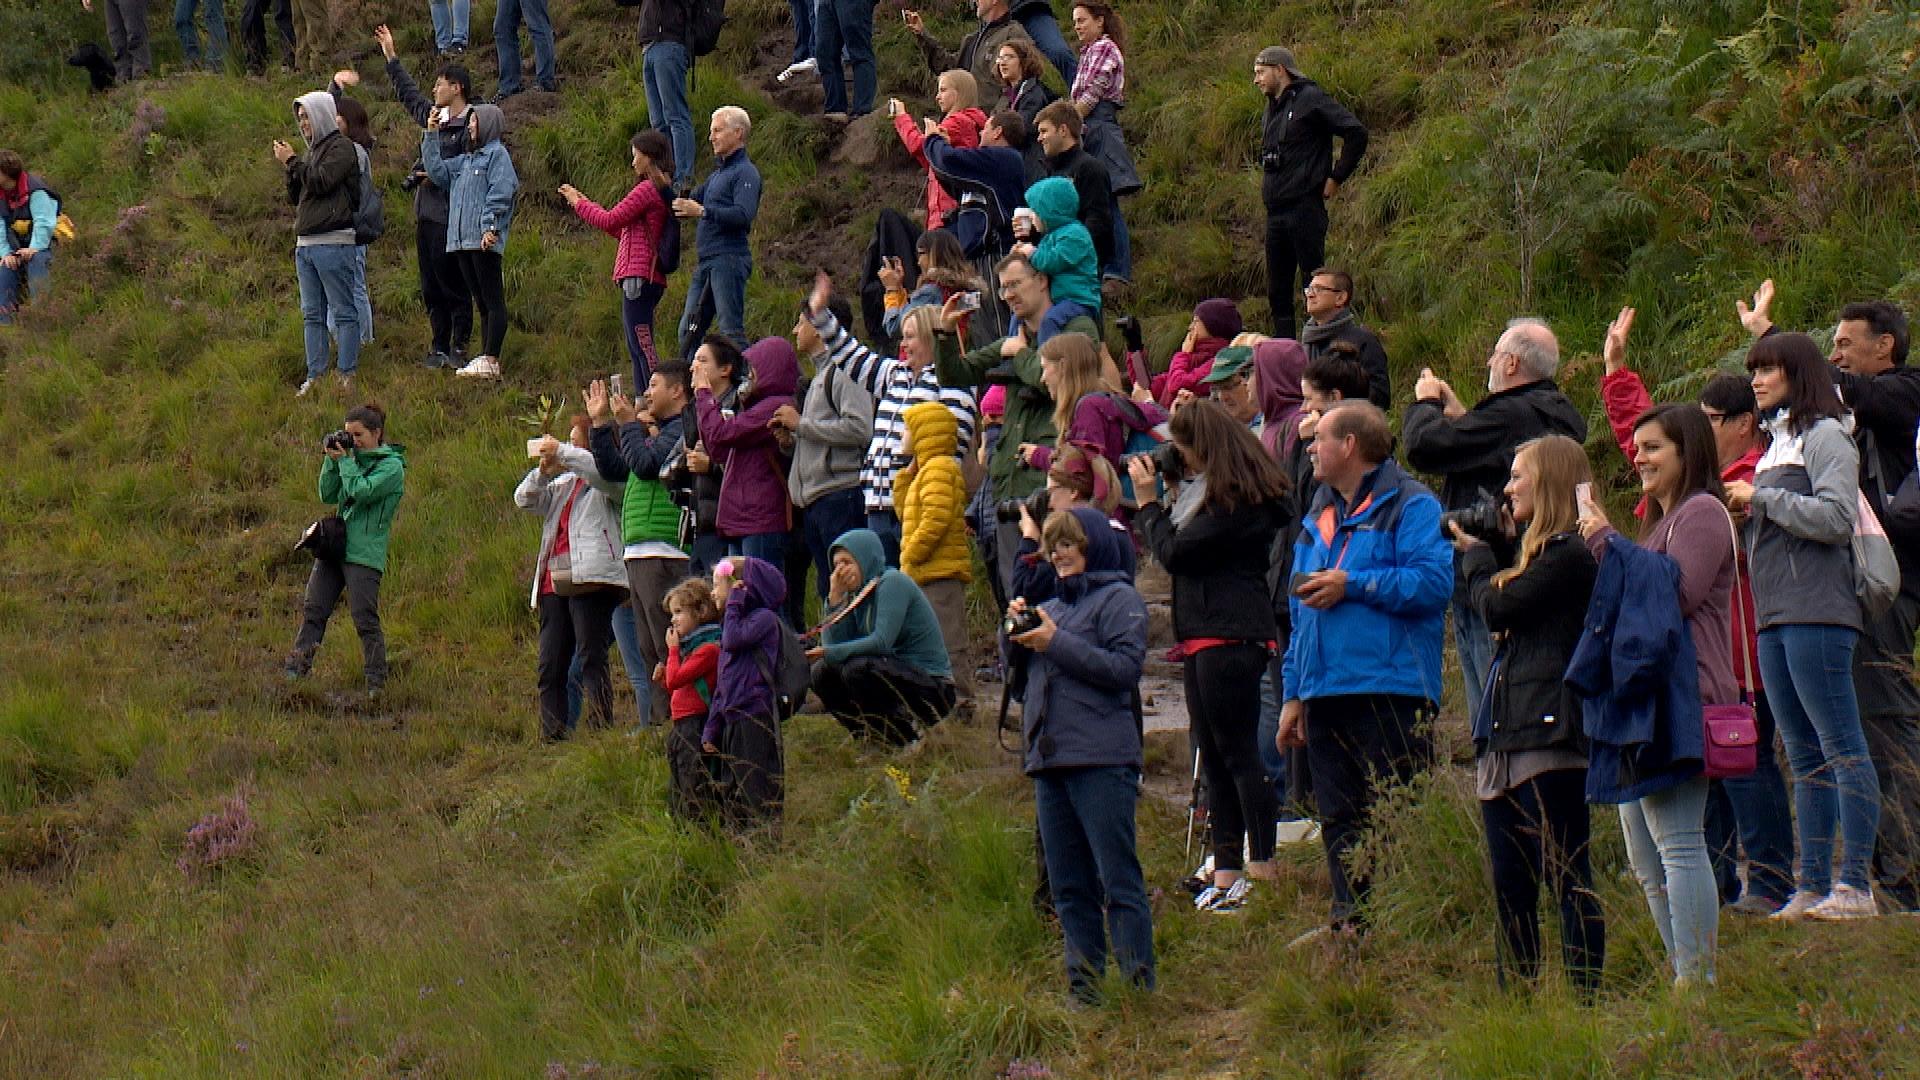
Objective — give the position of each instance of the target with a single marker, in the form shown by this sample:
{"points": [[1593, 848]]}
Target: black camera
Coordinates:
{"points": [[1021, 622], [1270, 160], [1168, 462], [1484, 520], [1129, 327], [1007, 511], [413, 179], [339, 440]]}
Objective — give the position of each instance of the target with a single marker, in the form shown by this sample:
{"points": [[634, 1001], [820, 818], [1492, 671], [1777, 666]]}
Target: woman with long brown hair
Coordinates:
{"points": [[1089, 410], [1530, 753], [1215, 544]]}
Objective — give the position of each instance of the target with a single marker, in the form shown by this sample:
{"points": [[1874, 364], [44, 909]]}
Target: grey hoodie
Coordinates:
{"points": [[323, 183], [830, 445], [1799, 532]]}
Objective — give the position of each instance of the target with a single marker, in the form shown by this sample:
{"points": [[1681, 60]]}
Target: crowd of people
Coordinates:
{"points": [[997, 417]]}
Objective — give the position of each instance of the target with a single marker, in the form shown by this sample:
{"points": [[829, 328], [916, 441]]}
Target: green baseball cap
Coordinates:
{"points": [[1230, 362]]}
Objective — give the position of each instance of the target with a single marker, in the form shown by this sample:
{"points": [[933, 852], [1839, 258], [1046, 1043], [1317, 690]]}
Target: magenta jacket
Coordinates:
{"points": [[1186, 370], [1099, 420], [753, 485], [636, 222]]}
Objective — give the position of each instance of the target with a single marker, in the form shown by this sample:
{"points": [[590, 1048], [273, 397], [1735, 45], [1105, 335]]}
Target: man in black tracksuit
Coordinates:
{"points": [[1870, 369], [1472, 449], [449, 303], [1300, 175]]}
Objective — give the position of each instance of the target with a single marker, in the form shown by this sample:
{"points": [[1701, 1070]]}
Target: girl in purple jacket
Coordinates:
{"points": [[741, 725]]}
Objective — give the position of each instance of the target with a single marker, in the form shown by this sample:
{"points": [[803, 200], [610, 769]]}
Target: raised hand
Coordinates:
{"points": [[1614, 352], [891, 273], [384, 37], [823, 290], [911, 18], [1758, 317], [595, 397], [347, 77]]}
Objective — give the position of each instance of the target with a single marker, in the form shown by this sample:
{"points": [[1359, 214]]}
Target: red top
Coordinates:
{"points": [[683, 675], [562, 538], [636, 222], [1626, 398], [961, 129]]}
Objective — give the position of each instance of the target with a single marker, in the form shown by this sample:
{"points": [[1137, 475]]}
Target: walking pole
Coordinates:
{"points": [[1193, 806]]}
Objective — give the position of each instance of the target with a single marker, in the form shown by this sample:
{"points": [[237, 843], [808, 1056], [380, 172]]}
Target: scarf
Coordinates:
{"points": [[1317, 334], [18, 197]]}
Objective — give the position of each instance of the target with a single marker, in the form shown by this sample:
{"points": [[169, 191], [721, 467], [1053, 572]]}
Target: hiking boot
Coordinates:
{"points": [[837, 117], [1845, 902], [296, 668], [503, 95], [482, 367], [1797, 905], [436, 360], [1753, 904]]}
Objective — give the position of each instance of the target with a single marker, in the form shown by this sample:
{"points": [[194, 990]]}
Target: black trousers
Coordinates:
{"points": [[879, 698], [481, 270], [324, 586], [1223, 712], [693, 783], [582, 622], [1296, 246], [253, 31], [1890, 719], [1358, 745], [753, 772], [443, 288], [1538, 832]]}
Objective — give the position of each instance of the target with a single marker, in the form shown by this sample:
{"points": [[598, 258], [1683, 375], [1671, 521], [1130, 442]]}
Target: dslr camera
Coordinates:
{"points": [[1484, 520], [1168, 462], [1020, 622], [339, 440], [1007, 511]]}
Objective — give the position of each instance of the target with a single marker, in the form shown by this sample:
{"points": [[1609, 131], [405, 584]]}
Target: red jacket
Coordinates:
{"points": [[1626, 398], [962, 129], [1186, 371], [636, 222], [685, 678]]}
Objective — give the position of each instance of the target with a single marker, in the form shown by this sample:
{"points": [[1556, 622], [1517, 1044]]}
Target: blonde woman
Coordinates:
{"points": [[1530, 753], [961, 120]]}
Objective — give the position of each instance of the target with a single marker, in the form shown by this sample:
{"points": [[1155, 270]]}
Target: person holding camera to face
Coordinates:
{"points": [[363, 475], [1215, 546]]}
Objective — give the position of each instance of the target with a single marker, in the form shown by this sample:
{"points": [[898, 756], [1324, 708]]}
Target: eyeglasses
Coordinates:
{"points": [[1715, 416], [1232, 382], [1314, 289]]}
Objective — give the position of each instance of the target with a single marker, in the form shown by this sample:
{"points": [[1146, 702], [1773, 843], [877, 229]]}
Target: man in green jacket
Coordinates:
{"points": [[1014, 361], [365, 480]]}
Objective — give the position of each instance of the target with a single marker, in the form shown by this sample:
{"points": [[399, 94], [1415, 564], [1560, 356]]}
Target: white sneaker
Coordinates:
{"points": [[805, 67], [1298, 831], [1230, 900], [1798, 905], [480, 367], [1845, 902], [305, 389]]}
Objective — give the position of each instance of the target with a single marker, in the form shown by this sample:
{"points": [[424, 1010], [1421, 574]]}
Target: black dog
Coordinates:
{"points": [[98, 64]]}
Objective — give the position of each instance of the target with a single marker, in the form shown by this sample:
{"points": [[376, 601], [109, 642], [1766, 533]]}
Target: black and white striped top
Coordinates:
{"points": [[895, 386]]}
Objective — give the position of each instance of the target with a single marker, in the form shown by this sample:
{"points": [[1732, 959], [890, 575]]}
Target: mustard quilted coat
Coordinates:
{"points": [[931, 498]]}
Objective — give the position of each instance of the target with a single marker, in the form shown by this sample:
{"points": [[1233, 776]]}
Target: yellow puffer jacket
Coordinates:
{"points": [[931, 498]]}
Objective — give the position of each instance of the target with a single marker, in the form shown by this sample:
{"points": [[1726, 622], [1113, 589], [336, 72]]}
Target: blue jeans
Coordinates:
{"points": [[34, 276], [848, 25], [1667, 845], [828, 518], [1121, 265], [190, 34], [1754, 809], [506, 38], [1087, 830], [362, 303], [1059, 314], [1808, 671], [886, 525], [450, 22], [1041, 25], [718, 292], [705, 553], [664, 74], [1475, 646], [802, 28], [326, 288], [770, 548]]}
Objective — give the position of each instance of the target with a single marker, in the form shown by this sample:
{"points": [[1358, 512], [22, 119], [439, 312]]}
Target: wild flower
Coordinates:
{"points": [[902, 782], [225, 834], [148, 119], [1025, 1069]]}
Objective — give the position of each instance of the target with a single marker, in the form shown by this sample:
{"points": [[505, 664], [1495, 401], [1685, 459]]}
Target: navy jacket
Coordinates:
{"points": [[1638, 678], [993, 178], [1079, 704], [730, 199]]}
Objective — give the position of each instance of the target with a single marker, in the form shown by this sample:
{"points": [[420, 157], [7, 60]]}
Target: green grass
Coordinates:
{"points": [[431, 894]]}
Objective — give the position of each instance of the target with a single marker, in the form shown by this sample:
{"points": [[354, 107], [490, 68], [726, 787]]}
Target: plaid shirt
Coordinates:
{"points": [[1102, 75], [894, 386]]}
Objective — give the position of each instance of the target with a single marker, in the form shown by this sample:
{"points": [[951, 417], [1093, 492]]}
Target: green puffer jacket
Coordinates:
{"points": [[366, 485], [1029, 407]]}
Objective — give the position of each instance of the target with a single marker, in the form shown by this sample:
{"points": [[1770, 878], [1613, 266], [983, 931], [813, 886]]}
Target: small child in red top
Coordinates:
{"points": [[693, 659]]}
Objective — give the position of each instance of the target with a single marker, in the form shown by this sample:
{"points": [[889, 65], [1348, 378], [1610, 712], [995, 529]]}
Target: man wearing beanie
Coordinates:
{"points": [[1215, 323], [1330, 320], [1299, 173]]}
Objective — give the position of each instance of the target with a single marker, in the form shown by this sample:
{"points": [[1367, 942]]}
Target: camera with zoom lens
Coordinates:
{"points": [[1484, 520], [1168, 462], [1007, 511], [339, 440], [1129, 327], [1021, 622]]}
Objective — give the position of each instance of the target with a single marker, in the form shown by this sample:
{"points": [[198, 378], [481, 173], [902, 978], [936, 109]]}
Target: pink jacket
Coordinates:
{"points": [[636, 222], [1185, 371], [962, 129]]}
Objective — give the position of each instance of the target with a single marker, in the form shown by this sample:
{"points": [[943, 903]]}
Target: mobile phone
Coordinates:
{"points": [[533, 447], [617, 389], [1583, 496], [1297, 582], [969, 301]]}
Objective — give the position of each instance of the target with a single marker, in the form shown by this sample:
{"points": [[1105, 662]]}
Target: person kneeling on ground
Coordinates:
{"points": [[881, 668], [364, 477], [30, 211], [1083, 748]]}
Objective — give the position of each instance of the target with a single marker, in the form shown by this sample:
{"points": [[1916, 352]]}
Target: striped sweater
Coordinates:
{"points": [[895, 386]]}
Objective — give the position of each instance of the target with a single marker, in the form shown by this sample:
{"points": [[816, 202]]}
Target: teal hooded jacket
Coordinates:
{"points": [[1065, 254], [894, 621]]}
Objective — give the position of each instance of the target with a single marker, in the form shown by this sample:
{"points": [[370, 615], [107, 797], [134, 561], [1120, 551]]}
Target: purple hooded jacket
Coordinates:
{"points": [[1277, 364], [749, 646], [753, 485], [1105, 421]]}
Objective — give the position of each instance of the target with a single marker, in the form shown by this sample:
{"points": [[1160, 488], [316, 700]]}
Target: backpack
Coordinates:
{"points": [[1142, 438], [369, 216], [705, 20], [666, 251], [791, 676]]}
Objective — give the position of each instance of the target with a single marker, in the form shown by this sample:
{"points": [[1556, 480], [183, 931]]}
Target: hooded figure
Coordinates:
{"points": [[740, 719], [1277, 365], [324, 183], [1065, 254], [885, 662], [931, 496], [480, 184], [753, 487], [1079, 703]]}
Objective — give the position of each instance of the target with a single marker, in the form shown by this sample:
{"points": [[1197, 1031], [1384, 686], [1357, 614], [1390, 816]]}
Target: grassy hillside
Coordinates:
{"points": [[423, 891]]}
